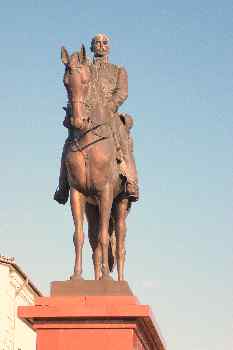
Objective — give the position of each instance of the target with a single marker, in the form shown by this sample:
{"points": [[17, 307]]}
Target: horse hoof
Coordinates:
{"points": [[121, 280], [107, 278], [76, 277]]}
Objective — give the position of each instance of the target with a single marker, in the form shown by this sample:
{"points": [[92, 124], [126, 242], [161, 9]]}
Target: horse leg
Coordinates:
{"points": [[77, 201], [105, 206], [121, 212], [97, 262], [92, 214]]}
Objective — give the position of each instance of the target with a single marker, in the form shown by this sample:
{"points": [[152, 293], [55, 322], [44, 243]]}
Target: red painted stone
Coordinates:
{"points": [[92, 323]]}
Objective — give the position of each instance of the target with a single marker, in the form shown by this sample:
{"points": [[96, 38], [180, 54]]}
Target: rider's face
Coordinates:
{"points": [[101, 46]]}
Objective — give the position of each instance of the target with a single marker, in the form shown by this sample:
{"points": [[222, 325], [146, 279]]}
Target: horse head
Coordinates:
{"points": [[76, 79]]}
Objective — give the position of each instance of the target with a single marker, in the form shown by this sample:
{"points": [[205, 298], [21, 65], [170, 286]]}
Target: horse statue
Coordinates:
{"points": [[96, 185]]}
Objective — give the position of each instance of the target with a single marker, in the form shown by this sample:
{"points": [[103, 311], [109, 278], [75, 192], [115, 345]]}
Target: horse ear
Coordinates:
{"points": [[83, 55], [64, 55], [77, 55]]}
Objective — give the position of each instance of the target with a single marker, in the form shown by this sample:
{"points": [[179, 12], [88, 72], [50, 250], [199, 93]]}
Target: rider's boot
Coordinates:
{"points": [[125, 155], [61, 194], [129, 172], [132, 190]]}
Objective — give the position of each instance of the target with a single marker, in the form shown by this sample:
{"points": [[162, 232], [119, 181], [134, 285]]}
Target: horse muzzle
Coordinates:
{"points": [[79, 123]]}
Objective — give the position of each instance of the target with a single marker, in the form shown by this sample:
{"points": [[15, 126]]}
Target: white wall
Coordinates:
{"points": [[14, 292]]}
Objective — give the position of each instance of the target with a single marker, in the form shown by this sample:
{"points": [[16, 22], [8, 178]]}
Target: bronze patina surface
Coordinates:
{"points": [[97, 167], [87, 288]]}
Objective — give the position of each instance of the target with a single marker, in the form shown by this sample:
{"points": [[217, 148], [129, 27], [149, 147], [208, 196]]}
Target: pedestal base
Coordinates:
{"points": [[92, 323], [90, 287]]}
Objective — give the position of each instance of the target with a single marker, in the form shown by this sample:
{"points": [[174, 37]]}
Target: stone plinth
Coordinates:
{"points": [[90, 288], [92, 322]]}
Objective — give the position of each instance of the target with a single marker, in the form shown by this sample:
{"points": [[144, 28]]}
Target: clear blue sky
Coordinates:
{"points": [[180, 243]]}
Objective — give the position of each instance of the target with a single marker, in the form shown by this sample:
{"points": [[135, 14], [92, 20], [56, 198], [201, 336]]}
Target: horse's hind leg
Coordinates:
{"points": [[121, 211], [97, 261], [92, 214], [77, 201]]}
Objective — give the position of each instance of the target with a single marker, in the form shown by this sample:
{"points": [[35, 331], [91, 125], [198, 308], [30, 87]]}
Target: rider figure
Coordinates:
{"points": [[113, 82]]}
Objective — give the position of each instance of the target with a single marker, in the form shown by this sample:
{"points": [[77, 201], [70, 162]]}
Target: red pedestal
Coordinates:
{"points": [[92, 323]]}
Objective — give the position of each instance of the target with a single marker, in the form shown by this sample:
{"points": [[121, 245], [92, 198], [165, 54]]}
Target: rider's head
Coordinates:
{"points": [[100, 45]]}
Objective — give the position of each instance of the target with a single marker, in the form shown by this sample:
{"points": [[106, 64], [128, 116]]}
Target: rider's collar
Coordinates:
{"points": [[100, 60]]}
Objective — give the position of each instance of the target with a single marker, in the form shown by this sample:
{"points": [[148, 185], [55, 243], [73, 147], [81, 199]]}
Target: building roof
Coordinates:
{"points": [[4, 260]]}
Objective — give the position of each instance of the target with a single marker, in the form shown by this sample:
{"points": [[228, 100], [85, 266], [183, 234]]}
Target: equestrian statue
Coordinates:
{"points": [[98, 169]]}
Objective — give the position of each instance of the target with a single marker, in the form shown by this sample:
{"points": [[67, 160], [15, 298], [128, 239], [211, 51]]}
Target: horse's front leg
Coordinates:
{"points": [[92, 214], [77, 202], [121, 212], [105, 206]]}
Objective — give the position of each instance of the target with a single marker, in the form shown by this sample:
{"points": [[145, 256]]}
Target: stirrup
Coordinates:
{"points": [[132, 191]]}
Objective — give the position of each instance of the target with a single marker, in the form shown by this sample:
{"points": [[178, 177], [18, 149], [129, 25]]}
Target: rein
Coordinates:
{"points": [[79, 137], [80, 102]]}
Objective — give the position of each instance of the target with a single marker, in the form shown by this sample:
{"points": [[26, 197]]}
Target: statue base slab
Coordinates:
{"points": [[92, 322], [81, 287]]}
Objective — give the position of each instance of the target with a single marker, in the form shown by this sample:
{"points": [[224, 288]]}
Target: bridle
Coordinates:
{"points": [[90, 126]]}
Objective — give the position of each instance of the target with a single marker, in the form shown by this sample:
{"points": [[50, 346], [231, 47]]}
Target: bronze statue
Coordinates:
{"points": [[97, 166]]}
